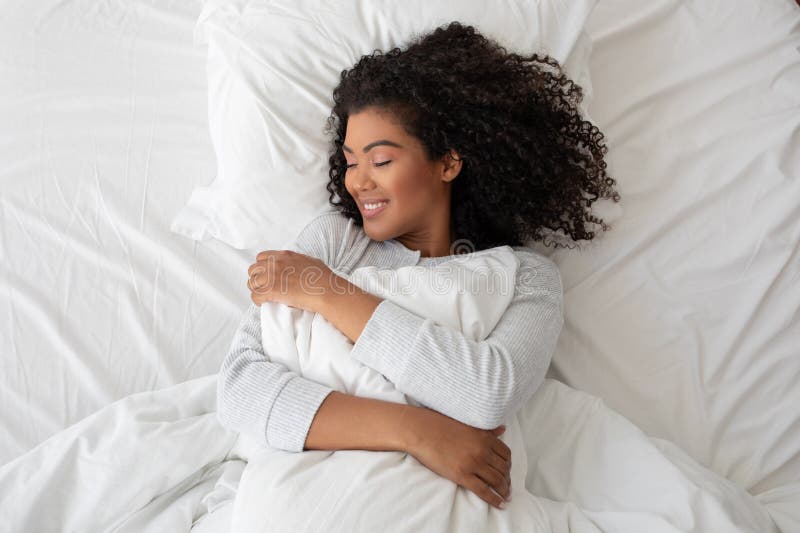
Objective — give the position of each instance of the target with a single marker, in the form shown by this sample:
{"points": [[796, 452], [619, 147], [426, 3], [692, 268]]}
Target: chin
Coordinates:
{"points": [[375, 234]]}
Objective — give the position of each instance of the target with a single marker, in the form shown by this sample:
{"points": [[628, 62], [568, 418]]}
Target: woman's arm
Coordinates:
{"points": [[260, 397], [473, 458], [348, 307], [263, 398], [303, 414], [347, 422], [477, 383], [276, 406]]}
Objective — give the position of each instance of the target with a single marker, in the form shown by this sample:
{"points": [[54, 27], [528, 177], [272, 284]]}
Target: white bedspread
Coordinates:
{"points": [[159, 461]]}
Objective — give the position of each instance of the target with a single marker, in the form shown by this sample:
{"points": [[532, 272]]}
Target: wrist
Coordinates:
{"points": [[336, 287], [347, 306], [409, 427]]}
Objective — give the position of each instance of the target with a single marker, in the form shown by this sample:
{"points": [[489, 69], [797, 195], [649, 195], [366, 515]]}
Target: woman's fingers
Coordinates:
{"points": [[504, 457], [262, 256], [501, 451], [501, 448], [496, 480], [479, 487], [501, 465], [256, 268], [262, 260]]}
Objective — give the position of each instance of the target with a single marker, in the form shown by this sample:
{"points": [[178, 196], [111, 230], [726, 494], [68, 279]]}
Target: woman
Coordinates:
{"points": [[449, 146]]}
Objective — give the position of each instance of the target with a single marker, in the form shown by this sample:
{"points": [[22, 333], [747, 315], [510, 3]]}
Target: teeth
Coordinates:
{"points": [[374, 206]]}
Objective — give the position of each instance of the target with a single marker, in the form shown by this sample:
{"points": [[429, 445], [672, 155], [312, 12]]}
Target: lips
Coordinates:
{"points": [[369, 213], [371, 202]]}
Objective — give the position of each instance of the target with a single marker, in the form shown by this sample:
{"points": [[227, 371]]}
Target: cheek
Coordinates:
{"points": [[411, 186], [348, 182]]}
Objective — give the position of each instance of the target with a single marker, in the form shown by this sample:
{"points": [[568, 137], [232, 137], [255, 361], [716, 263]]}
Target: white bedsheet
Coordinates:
{"points": [[103, 135], [685, 318]]}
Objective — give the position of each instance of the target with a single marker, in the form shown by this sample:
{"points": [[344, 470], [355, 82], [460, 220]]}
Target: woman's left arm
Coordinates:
{"points": [[477, 383]]}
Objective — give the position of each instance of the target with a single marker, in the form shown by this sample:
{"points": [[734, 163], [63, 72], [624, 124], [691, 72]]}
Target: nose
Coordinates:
{"points": [[361, 180]]}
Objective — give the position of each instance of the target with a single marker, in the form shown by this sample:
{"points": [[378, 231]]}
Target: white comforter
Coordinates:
{"points": [[160, 461]]}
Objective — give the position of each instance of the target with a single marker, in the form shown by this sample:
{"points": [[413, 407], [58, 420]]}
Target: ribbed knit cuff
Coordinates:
{"points": [[292, 413], [386, 338]]}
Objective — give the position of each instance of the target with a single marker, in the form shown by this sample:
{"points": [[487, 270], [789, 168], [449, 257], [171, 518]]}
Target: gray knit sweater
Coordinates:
{"points": [[477, 383]]}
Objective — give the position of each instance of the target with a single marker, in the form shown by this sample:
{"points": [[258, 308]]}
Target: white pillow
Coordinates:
{"points": [[272, 67]]}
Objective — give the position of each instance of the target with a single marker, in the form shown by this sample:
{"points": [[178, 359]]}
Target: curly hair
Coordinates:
{"points": [[531, 163]]}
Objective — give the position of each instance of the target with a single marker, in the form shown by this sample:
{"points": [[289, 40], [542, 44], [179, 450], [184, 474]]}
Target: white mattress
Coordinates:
{"points": [[103, 135]]}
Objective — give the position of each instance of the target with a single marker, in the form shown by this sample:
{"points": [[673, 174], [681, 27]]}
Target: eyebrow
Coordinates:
{"points": [[372, 144]]}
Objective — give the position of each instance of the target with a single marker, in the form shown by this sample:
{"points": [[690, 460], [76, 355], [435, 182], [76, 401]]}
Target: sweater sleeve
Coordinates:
{"points": [[478, 383], [263, 398]]}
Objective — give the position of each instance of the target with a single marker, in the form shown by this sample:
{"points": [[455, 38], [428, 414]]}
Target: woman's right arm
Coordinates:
{"points": [[347, 422], [471, 457]]}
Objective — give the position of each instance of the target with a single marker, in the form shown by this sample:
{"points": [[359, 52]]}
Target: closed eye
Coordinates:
{"points": [[376, 164]]}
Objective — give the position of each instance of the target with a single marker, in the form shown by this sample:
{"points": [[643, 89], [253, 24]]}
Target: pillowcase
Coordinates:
{"points": [[272, 66]]}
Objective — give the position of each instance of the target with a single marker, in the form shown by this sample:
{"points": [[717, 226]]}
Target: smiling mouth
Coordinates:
{"points": [[373, 208]]}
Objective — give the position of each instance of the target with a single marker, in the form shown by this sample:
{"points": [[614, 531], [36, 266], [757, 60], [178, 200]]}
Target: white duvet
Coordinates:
{"points": [[158, 461]]}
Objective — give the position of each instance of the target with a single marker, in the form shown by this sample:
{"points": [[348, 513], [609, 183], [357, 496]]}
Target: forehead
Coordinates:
{"points": [[369, 125]]}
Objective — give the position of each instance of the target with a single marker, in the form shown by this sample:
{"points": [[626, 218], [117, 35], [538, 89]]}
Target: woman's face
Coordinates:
{"points": [[387, 165]]}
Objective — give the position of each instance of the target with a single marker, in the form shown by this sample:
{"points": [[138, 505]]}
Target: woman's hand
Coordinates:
{"points": [[290, 278], [475, 459]]}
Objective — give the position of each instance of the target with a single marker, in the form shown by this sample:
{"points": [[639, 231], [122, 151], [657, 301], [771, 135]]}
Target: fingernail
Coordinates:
{"points": [[502, 505]]}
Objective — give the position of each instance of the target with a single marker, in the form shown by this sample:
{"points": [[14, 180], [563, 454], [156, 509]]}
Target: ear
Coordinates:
{"points": [[451, 165]]}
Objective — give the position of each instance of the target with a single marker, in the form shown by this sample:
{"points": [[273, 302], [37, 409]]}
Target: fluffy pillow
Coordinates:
{"points": [[272, 66]]}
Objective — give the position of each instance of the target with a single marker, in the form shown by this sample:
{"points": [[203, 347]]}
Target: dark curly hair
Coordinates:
{"points": [[531, 163]]}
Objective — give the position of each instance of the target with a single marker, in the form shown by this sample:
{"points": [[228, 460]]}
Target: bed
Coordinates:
{"points": [[684, 318]]}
